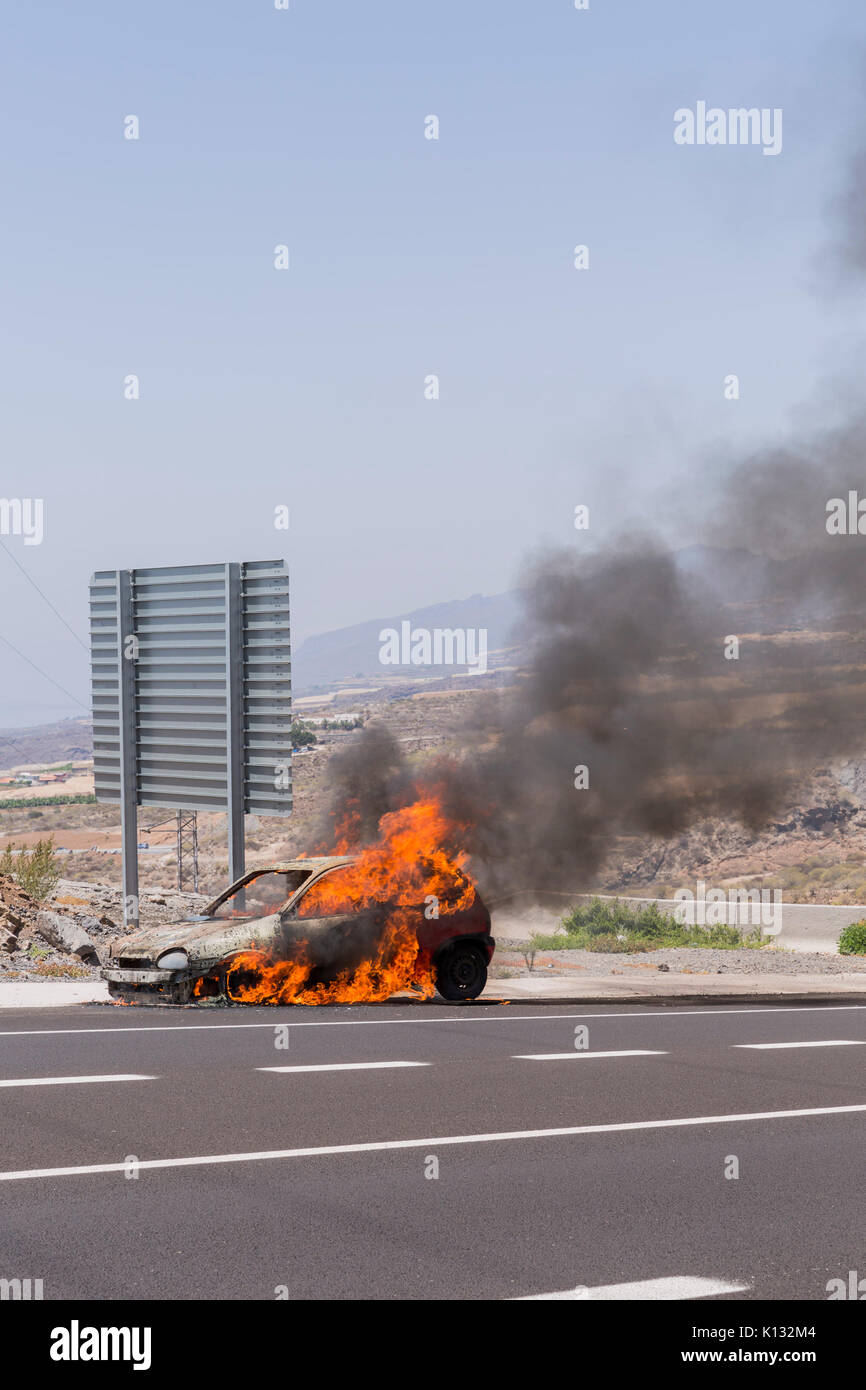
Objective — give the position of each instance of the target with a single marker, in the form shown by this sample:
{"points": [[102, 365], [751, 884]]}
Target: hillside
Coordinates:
{"points": [[353, 652], [65, 741]]}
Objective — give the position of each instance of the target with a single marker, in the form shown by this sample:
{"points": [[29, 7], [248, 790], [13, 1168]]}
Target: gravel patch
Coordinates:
{"points": [[157, 906]]}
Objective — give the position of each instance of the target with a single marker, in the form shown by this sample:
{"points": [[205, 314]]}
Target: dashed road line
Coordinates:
{"points": [[828, 1042], [563, 1056], [681, 1286], [345, 1066], [75, 1080]]}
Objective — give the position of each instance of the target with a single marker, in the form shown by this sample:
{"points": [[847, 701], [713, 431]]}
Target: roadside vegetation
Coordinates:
{"points": [[59, 970], [50, 970], [19, 803], [37, 871], [852, 942], [620, 927]]}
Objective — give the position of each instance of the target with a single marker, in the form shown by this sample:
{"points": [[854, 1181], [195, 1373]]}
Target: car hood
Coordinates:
{"points": [[201, 940]]}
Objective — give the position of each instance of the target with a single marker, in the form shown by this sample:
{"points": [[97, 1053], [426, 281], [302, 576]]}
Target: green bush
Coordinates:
{"points": [[618, 926], [852, 942], [20, 803], [36, 871], [600, 919]]}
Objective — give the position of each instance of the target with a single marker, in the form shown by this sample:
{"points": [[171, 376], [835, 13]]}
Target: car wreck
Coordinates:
{"points": [[304, 907]]}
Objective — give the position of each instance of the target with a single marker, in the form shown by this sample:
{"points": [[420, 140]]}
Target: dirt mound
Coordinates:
{"points": [[17, 908], [38, 941]]}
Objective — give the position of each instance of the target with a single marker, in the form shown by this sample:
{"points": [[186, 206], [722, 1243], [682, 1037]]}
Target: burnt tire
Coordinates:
{"points": [[461, 972]]}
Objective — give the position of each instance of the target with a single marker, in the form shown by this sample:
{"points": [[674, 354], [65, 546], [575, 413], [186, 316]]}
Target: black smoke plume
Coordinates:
{"points": [[627, 671]]}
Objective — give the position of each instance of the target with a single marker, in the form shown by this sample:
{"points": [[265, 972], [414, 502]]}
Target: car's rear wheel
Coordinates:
{"points": [[461, 972]]}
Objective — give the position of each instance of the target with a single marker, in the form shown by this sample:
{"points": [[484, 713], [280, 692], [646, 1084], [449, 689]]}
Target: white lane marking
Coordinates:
{"points": [[829, 1042], [345, 1066], [75, 1080], [561, 1056], [383, 1145], [678, 1286], [498, 1017]]}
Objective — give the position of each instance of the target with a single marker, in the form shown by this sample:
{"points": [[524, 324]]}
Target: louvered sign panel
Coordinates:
{"points": [[191, 681]]}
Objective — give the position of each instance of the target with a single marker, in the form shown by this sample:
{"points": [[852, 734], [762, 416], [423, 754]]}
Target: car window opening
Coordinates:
{"points": [[266, 893]]}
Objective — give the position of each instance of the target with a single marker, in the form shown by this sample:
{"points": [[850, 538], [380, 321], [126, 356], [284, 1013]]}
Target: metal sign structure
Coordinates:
{"points": [[191, 685]]}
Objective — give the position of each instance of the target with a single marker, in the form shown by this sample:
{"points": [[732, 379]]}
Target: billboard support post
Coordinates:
{"points": [[234, 722], [126, 657]]}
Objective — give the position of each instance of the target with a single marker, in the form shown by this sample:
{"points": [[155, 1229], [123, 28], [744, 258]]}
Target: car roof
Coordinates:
{"points": [[314, 864]]}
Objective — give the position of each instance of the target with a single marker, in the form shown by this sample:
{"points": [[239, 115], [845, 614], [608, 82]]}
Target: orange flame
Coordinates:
{"points": [[405, 869]]}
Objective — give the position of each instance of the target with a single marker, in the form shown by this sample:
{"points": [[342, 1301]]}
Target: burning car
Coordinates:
{"points": [[309, 931]]}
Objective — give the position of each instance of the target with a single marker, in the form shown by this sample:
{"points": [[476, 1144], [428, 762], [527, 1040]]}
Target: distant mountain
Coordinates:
{"points": [[66, 741], [734, 575], [353, 652]]}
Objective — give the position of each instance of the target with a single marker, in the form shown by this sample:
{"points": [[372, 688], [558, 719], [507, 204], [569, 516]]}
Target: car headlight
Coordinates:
{"points": [[172, 960]]}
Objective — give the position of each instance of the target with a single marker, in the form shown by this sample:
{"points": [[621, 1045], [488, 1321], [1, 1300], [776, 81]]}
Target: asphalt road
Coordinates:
{"points": [[315, 1181]]}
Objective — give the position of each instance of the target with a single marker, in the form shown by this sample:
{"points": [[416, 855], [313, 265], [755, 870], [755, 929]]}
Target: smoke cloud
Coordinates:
{"points": [[629, 671], [626, 677]]}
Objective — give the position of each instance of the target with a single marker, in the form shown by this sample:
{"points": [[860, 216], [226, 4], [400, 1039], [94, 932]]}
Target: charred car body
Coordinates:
{"points": [[265, 912]]}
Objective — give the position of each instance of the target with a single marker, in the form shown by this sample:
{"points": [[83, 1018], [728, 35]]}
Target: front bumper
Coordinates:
{"points": [[148, 985], [152, 986], [139, 977]]}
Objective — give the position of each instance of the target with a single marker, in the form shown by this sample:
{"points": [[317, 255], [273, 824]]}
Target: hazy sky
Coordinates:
{"points": [[261, 387]]}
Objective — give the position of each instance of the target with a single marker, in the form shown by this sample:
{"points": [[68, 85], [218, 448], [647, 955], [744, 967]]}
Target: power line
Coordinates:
{"points": [[32, 581], [44, 673]]}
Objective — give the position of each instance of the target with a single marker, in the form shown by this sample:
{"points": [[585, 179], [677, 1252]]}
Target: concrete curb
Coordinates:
{"points": [[684, 989], [47, 994]]}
